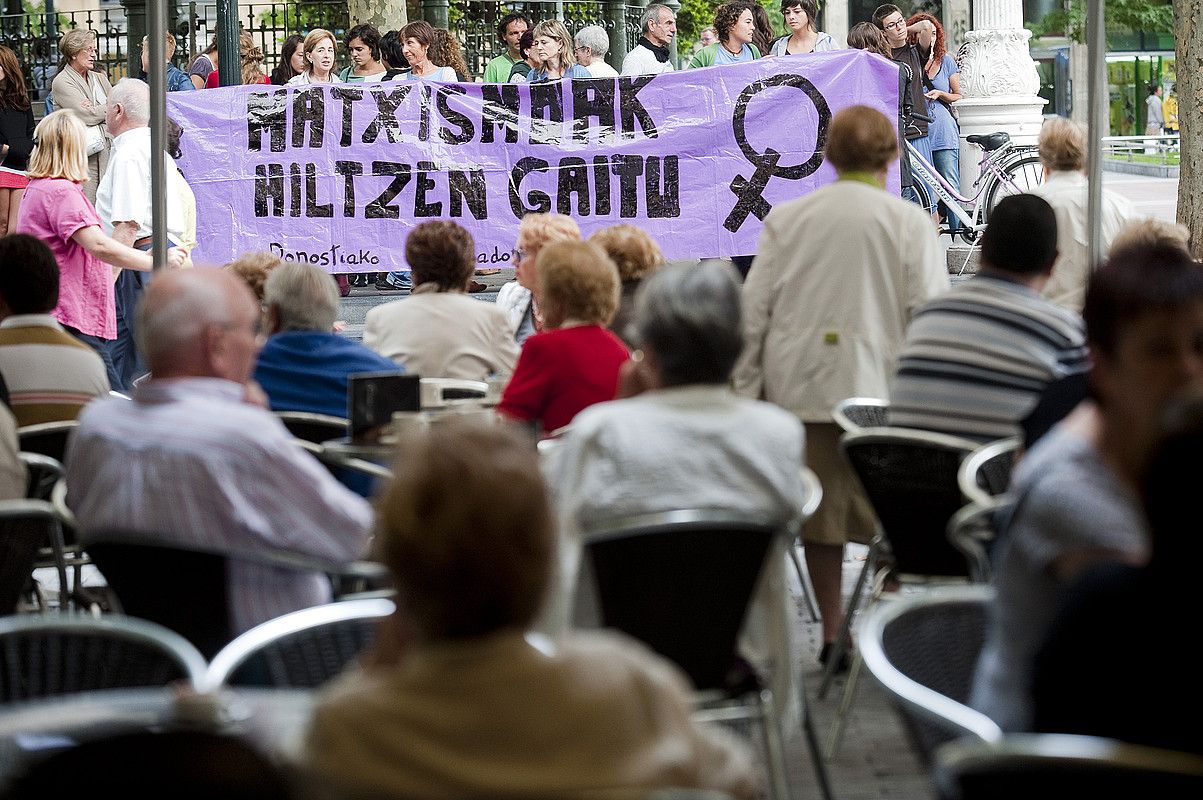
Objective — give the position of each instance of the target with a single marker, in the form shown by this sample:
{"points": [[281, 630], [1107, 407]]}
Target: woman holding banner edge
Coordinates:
{"points": [[553, 49]]}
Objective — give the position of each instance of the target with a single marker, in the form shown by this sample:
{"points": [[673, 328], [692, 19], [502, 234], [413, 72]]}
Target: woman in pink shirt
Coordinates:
{"points": [[56, 211]]}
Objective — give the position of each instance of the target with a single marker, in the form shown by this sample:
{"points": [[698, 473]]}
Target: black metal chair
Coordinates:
{"points": [[303, 649], [681, 582], [1053, 765], [858, 413], [34, 538], [149, 763], [923, 650], [316, 428], [45, 656], [185, 589], [46, 438], [910, 478], [986, 473]]}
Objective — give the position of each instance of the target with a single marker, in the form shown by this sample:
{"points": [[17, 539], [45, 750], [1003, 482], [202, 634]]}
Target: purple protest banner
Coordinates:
{"points": [[338, 174]]}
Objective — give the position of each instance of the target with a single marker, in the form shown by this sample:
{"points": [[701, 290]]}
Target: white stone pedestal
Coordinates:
{"points": [[999, 83]]}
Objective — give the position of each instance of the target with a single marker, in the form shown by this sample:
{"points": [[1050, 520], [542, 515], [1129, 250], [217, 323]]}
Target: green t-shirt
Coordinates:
{"points": [[498, 70]]}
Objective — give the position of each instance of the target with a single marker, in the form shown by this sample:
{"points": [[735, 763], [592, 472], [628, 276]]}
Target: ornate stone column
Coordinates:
{"points": [[999, 83]]}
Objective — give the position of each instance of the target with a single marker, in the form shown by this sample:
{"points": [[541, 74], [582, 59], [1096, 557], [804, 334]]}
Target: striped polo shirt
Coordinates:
{"points": [[976, 360], [50, 374]]}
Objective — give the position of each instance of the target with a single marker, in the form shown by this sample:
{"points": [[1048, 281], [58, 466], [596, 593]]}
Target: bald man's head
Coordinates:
{"points": [[198, 323]]}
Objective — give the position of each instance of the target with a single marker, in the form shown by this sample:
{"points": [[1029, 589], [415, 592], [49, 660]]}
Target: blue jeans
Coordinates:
{"points": [[101, 346], [948, 164]]}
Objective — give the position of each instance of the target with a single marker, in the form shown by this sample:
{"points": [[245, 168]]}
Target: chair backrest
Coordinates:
{"points": [[183, 590], [814, 493], [972, 531], [681, 583], [43, 473], [46, 438], [316, 428], [50, 655], [149, 764], [1054, 765], [923, 649], [986, 472], [25, 527], [857, 413], [910, 478], [303, 649]]}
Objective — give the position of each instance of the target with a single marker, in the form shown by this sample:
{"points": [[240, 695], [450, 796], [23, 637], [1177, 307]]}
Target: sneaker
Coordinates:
{"points": [[385, 285]]}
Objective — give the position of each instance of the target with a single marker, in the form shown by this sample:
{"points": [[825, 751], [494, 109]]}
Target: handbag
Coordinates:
{"points": [[931, 87], [95, 140]]}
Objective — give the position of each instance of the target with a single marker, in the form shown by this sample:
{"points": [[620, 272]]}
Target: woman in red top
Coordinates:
{"points": [[574, 363]]}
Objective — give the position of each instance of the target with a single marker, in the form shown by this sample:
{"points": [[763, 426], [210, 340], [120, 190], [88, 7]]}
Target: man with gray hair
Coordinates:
{"points": [[123, 205], [687, 441], [304, 365], [591, 44], [650, 55], [195, 462]]}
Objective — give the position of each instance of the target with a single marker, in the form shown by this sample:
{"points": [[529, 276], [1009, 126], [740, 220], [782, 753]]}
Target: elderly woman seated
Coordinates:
{"points": [[686, 442], [574, 363], [439, 331], [517, 298], [636, 255], [459, 699]]}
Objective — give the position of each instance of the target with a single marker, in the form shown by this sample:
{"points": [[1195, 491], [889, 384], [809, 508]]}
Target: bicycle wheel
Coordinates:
{"points": [[1025, 173], [925, 196]]}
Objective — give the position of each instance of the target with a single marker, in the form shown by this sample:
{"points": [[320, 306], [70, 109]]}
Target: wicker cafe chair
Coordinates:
{"points": [[910, 478], [923, 650], [185, 589], [45, 656], [858, 413], [986, 473], [316, 428], [814, 497], [46, 438], [1055, 765], [681, 582], [137, 762], [303, 649]]}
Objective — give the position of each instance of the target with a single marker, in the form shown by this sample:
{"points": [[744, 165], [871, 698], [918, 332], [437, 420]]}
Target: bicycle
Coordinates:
{"points": [[1005, 169]]}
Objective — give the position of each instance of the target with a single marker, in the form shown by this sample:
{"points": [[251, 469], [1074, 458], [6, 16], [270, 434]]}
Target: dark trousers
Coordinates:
{"points": [[123, 351], [101, 346]]}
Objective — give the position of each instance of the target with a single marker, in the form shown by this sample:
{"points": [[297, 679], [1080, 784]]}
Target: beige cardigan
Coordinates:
{"points": [[71, 91], [837, 276]]}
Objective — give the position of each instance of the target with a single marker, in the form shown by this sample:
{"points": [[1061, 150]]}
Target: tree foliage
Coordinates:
{"points": [[1122, 15]]}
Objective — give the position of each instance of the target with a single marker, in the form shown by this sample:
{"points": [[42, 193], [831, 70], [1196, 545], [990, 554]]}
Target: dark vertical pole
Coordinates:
{"points": [[156, 59], [229, 70]]}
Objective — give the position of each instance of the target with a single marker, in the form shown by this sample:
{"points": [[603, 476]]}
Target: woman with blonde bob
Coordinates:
{"points": [[575, 362], [553, 49], [517, 298], [85, 92], [636, 255], [56, 211], [318, 49]]}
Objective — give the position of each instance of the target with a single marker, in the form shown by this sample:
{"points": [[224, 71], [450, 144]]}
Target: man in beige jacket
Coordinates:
{"points": [[838, 275]]}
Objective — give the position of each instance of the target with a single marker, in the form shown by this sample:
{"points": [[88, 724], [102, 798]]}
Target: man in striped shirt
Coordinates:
{"points": [[50, 374], [196, 461], [976, 360]]}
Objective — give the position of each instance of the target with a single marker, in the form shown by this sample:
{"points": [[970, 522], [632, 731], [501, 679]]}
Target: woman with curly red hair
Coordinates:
{"points": [[942, 82]]}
